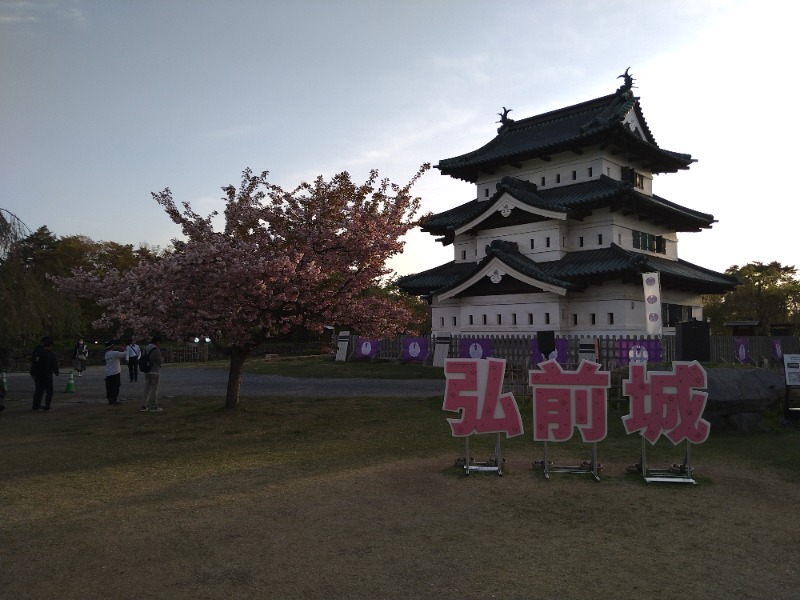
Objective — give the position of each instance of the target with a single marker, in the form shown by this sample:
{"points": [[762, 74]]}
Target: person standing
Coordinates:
{"points": [[152, 377], [133, 360], [113, 370], [44, 365], [79, 357]]}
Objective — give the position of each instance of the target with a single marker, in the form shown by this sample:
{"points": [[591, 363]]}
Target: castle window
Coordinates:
{"points": [[530, 318], [574, 319], [486, 192], [638, 180], [594, 319], [441, 321], [580, 241], [454, 322], [649, 241], [610, 318], [463, 255], [547, 242], [558, 177], [542, 181], [531, 243], [484, 319], [599, 239], [499, 319], [574, 175], [471, 320], [547, 318], [513, 318], [590, 171]]}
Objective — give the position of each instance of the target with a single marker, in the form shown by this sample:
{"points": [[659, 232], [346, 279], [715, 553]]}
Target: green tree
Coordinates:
{"points": [[769, 294], [31, 304]]}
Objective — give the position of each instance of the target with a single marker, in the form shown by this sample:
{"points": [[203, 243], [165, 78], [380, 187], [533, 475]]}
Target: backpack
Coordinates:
{"points": [[39, 366], [145, 364]]}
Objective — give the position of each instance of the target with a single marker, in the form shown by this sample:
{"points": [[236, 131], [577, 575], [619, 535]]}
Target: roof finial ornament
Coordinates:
{"points": [[628, 78], [504, 120], [504, 116]]}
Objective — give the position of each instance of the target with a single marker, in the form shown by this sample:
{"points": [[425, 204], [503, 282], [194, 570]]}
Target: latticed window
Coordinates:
{"points": [[649, 241]]}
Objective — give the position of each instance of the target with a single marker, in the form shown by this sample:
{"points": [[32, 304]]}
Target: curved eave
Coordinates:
{"points": [[680, 218], [599, 265], [506, 203], [495, 265], [617, 139], [428, 282], [573, 201], [648, 155]]}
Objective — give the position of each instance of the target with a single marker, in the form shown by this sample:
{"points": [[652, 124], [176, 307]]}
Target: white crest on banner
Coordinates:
{"points": [[652, 303]]}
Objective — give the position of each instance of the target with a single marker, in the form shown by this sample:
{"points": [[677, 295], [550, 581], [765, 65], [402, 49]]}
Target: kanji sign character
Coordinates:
{"points": [[563, 400], [667, 403], [474, 389]]}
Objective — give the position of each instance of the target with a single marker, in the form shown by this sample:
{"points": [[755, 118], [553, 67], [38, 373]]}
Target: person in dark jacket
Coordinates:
{"points": [[153, 377], [44, 365]]}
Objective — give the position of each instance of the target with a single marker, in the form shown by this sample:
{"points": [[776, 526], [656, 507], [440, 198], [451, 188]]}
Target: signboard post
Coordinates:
{"points": [[669, 404], [564, 401], [474, 390], [791, 369]]}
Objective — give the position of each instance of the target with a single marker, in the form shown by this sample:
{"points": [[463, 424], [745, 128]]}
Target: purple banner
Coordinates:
{"points": [[561, 353], [415, 348], [742, 349], [367, 348], [777, 349], [475, 348], [632, 351]]}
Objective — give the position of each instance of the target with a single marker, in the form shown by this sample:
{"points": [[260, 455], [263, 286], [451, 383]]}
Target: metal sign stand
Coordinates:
{"points": [[677, 473], [585, 468], [790, 413], [491, 465]]}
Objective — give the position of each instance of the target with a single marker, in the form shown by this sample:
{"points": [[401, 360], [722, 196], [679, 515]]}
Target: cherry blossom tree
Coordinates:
{"points": [[306, 257]]}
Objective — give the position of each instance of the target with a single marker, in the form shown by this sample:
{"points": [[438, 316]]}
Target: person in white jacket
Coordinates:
{"points": [[113, 370]]}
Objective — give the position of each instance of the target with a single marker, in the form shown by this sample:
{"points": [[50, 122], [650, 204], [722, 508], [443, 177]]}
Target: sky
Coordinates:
{"points": [[104, 101]]}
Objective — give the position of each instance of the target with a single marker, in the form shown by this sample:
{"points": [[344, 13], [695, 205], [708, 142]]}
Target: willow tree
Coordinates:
{"points": [[305, 257]]}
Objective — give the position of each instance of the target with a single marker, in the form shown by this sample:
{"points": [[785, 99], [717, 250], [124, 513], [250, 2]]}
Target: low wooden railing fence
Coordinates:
{"points": [[516, 349]]}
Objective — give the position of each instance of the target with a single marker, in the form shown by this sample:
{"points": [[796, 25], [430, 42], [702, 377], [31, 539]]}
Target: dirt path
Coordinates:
{"points": [[199, 382]]}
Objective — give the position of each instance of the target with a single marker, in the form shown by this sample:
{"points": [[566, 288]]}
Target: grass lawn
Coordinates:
{"points": [[360, 498]]}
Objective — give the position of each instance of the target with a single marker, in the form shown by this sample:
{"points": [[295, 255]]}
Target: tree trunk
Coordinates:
{"points": [[238, 356]]}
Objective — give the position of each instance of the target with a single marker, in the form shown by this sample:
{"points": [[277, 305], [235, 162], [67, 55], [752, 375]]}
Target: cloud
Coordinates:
{"points": [[41, 12], [72, 15]]}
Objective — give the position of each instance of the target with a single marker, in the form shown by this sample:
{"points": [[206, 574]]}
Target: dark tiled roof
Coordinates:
{"points": [[575, 201], [575, 271], [509, 254], [437, 278], [597, 121], [449, 275], [593, 265]]}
